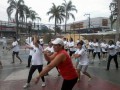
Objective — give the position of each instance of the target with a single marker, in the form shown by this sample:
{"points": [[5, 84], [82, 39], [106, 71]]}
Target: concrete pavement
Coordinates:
{"points": [[14, 76]]}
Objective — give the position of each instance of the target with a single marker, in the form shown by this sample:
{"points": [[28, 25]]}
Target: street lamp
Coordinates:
{"points": [[88, 21]]}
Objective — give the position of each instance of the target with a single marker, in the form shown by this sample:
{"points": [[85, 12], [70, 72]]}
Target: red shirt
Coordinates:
{"points": [[66, 68]]}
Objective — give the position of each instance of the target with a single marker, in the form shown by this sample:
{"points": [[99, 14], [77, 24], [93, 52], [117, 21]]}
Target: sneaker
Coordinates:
{"points": [[43, 84], [89, 79], [26, 85], [78, 80]]}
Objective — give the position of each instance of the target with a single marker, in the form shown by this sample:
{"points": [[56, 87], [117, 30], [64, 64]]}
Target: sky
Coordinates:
{"points": [[96, 8]]}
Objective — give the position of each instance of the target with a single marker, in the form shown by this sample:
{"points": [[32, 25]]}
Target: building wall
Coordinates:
{"points": [[94, 22], [117, 23]]}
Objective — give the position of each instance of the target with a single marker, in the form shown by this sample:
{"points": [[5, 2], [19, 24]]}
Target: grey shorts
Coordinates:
{"points": [[82, 68]]}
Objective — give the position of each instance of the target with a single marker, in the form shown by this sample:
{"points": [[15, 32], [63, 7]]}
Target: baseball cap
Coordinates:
{"points": [[58, 41]]}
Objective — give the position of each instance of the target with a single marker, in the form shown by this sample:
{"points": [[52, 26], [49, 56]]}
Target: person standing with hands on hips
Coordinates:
{"points": [[63, 62]]}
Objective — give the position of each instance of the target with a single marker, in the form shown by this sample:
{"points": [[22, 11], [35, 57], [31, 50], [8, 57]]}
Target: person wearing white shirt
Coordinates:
{"points": [[90, 47], [28, 40], [81, 54], [112, 54], [71, 47], [104, 46], [49, 51], [30, 54], [37, 61], [41, 41], [118, 47], [65, 44], [4, 43], [97, 50], [15, 48]]}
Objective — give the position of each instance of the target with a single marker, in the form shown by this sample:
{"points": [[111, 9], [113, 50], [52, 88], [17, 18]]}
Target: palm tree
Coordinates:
{"points": [[18, 7], [57, 13], [39, 19], [68, 8], [27, 13], [33, 15]]}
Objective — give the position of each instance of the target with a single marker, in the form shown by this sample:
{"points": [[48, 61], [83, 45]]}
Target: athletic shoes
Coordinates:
{"points": [[78, 80], [26, 85], [43, 84], [89, 79]]}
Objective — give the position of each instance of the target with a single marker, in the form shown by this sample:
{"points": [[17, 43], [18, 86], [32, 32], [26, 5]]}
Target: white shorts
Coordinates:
{"points": [[82, 68]]}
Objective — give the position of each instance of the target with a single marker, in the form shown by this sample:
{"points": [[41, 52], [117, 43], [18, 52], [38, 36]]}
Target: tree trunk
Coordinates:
{"points": [[65, 24], [17, 23], [55, 25]]}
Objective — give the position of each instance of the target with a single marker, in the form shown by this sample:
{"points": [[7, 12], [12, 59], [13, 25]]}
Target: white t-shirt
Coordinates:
{"points": [[83, 59], [96, 47], [65, 44], [50, 49], [15, 46], [84, 47], [41, 41], [4, 42], [118, 46], [104, 46], [31, 50], [37, 56], [29, 40], [90, 45], [71, 46], [113, 51]]}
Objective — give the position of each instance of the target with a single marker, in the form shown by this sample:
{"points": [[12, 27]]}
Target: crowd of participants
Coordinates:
{"points": [[60, 53]]}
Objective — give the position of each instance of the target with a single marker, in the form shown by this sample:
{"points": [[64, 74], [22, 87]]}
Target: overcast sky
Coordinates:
{"points": [[96, 8]]}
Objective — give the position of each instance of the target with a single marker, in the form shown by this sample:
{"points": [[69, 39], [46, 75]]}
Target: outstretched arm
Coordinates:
{"points": [[55, 62]]}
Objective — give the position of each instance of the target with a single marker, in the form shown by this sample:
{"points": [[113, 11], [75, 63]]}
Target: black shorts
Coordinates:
{"points": [[15, 53], [104, 52], [90, 50]]}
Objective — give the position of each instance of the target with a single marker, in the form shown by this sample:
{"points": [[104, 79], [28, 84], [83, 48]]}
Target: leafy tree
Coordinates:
{"points": [[56, 13], [68, 8], [16, 6]]}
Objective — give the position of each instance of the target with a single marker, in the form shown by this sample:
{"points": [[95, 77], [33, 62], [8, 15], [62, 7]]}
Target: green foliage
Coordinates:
{"points": [[57, 14], [68, 8]]}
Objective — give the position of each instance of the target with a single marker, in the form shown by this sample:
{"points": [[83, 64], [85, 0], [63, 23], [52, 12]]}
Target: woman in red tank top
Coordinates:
{"points": [[62, 61]]}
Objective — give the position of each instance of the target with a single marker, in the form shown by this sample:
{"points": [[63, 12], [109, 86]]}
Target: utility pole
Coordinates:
{"points": [[88, 21], [118, 19]]}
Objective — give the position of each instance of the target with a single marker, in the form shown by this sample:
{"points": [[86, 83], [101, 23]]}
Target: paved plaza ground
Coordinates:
{"points": [[14, 76]]}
